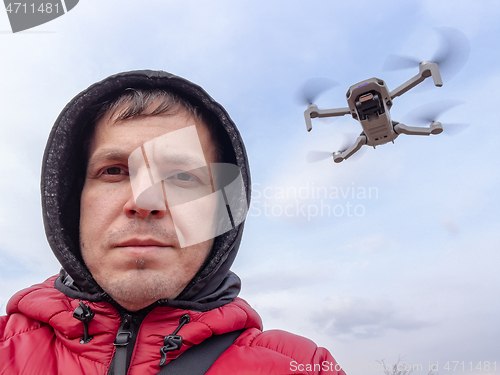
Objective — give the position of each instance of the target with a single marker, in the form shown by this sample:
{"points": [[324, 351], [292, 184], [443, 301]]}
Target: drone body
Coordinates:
{"points": [[369, 102]]}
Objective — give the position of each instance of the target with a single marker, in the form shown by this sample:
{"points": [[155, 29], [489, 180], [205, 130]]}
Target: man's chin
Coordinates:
{"points": [[140, 288]]}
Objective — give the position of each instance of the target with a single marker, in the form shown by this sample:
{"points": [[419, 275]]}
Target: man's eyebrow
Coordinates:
{"points": [[108, 154], [178, 159]]}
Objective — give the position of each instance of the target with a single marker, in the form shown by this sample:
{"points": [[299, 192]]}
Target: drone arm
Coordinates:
{"points": [[341, 156], [434, 128], [427, 69], [312, 112], [333, 112], [411, 83]]}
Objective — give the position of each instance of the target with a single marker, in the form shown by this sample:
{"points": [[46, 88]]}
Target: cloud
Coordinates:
{"points": [[362, 318], [372, 243], [10, 267], [284, 280]]}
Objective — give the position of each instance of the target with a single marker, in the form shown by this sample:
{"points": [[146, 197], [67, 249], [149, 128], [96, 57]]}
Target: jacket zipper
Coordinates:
{"points": [[126, 337]]}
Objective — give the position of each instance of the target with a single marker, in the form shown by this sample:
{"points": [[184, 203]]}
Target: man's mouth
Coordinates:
{"points": [[144, 243]]}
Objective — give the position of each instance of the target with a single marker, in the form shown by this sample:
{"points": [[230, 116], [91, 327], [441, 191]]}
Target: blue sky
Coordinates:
{"points": [[407, 266]]}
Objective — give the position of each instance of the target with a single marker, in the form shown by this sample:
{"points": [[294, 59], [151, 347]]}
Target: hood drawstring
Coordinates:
{"points": [[173, 341], [84, 314]]}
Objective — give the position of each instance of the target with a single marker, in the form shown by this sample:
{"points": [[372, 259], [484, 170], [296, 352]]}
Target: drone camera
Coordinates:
{"points": [[369, 105]]}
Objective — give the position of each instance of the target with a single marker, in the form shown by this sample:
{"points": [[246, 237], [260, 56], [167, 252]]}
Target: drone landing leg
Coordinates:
{"points": [[340, 156], [434, 128]]}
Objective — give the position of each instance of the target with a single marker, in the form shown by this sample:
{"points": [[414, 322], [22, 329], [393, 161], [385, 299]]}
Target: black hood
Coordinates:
{"points": [[63, 169]]}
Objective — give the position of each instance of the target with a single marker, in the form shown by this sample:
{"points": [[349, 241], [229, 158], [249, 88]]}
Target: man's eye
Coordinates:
{"points": [[184, 176], [113, 171], [184, 180]]}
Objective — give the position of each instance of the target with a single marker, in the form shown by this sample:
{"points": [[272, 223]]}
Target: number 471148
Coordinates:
{"points": [[31, 8], [463, 366]]}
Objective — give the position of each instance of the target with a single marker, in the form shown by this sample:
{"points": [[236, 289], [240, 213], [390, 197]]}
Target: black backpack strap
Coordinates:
{"points": [[199, 358]]}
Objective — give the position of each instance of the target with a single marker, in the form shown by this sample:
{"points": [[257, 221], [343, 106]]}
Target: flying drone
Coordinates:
{"points": [[370, 102]]}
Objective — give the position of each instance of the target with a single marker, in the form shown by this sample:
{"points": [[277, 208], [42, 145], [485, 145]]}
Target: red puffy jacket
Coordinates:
{"points": [[40, 336]]}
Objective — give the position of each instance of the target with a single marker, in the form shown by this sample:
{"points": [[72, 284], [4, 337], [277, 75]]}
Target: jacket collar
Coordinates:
{"points": [[45, 304]]}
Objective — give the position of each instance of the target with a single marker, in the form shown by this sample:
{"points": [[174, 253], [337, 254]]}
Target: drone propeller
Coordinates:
{"points": [[349, 139], [451, 56], [315, 156], [399, 62], [313, 88], [427, 113]]}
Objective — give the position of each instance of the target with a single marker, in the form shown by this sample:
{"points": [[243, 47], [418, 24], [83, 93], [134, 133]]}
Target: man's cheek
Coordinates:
{"points": [[195, 221]]}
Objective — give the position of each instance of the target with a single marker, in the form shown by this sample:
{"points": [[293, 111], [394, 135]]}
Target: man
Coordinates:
{"points": [[145, 185]]}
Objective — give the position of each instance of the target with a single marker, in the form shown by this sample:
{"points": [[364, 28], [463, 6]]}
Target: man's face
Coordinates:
{"points": [[133, 252]]}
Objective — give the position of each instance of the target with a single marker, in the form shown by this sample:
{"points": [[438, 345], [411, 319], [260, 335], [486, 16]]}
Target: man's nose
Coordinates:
{"points": [[150, 201], [147, 196]]}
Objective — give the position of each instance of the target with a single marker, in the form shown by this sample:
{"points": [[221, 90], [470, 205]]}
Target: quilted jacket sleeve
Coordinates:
{"points": [[275, 352]]}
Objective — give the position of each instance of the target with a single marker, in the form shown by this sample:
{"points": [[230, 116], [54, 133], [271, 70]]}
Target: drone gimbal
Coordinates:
{"points": [[370, 102]]}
